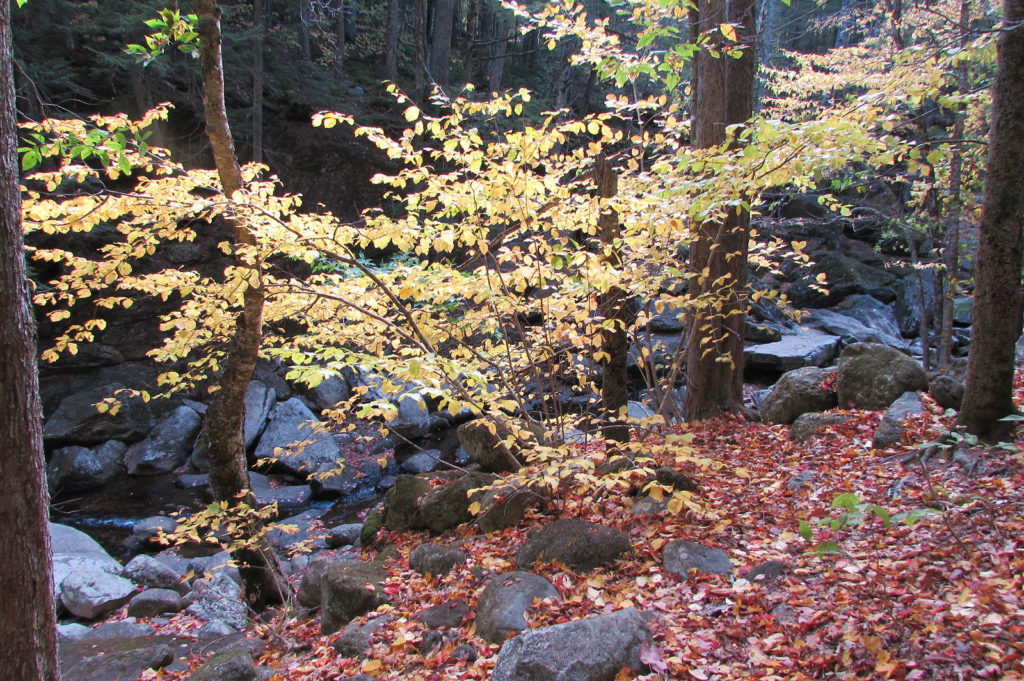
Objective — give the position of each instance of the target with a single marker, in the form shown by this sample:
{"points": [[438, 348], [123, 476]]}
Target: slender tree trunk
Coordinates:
{"points": [[498, 49], [258, 22], [339, 41], [847, 23], [304, 30], [421, 78], [28, 628], [612, 307], [951, 256], [262, 577], [472, 29], [723, 92], [997, 310], [441, 41], [391, 40]]}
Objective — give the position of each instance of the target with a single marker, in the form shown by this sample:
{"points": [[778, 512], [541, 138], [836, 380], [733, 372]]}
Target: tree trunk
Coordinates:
{"points": [[304, 31], [339, 41], [420, 82], [391, 40], [723, 91], [262, 577], [997, 311], [441, 41], [497, 50], [847, 23], [258, 23], [472, 29], [28, 628], [612, 306]]}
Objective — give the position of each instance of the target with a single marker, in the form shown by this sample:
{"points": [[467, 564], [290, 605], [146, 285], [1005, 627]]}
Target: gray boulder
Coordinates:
{"points": [[219, 599], [233, 665], [947, 392], [299, 528], [73, 469], [435, 559], [797, 392], [259, 401], [402, 503], [850, 329], [501, 608], [119, 629], [154, 602], [811, 424], [296, 441], [872, 376], [343, 535], [76, 420], [591, 649], [872, 313], [355, 639], [168, 446], [329, 392], [285, 495], [908, 302], [444, 616], [91, 592], [794, 351], [310, 587], [421, 462], [75, 552], [890, 429], [846, 276], [412, 420], [115, 660], [147, 571], [348, 591], [505, 505], [578, 544], [679, 557]]}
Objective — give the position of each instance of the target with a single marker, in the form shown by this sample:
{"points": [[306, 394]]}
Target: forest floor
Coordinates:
{"points": [[939, 598]]}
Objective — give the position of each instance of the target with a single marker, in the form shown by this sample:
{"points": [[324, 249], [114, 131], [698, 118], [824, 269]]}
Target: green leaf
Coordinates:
{"points": [[805, 531], [848, 501]]}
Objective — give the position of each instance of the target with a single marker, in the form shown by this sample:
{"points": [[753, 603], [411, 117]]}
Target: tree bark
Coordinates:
{"points": [[496, 52], [339, 41], [723, 91], [28, 628], [612, 306], [261, 572], [391, 40], [258, 22], [441, 41], [997, 311], [304, 32]]}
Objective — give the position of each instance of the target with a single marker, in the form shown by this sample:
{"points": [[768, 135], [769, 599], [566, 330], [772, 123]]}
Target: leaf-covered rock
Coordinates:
{"points": [[872, 376], [579, 544], [681, 556], [798, 392], [434, 559], [349, 590], [447, 506], [501, 608]]}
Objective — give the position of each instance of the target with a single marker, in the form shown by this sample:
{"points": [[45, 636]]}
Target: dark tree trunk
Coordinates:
{"points": [[28, 628], [339, 40], [420, 83], [441, 41], [257, 81], [723, 92], [613, 306], [262, 577], [391, 40], [472, 29], [997, 311], [304, 30], [496, 52]]}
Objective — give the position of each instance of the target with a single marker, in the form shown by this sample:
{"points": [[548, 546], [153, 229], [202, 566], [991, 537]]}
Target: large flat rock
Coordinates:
{"points": [[802, 349]]}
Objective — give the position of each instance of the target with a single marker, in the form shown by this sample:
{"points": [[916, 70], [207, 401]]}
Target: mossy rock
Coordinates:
{"points": [[373, 524], [448, 506], [402, 503]]}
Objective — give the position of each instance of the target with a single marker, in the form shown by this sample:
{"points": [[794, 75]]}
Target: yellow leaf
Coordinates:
{"points": [[742, 472], [371, 665], [412, 113], [728, 31]]}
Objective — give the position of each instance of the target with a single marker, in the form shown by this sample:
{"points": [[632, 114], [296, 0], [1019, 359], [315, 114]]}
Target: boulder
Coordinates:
{"points": [[872, 376], [76, 420], [402, 503], [91, 592], [435, 559], [447, 506], [591, 649], [348, 591], [846, 276], [890, 429], [345, 478], [501, 608], [794, 351], [295, 440], [233, 665], [76, 552], [373, 524], [343, 535], [150, 527], [154, 602], [330, 392], [147, 571], [484, 443], [652, 352], [578, 544], [766, 572], [908, 302], [963, 311], [219, 599], [947, 392], [872, 313], [447, 615], [259, 400], [679, 557], [421, 462], [505, 505], [811, 424], [798, 392], [356, 638], [73, 469], [284, 495], [412, 418], [167, 446], [116, 660], [119, 629], [850, 329], [301, 527], [310, 587]]}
